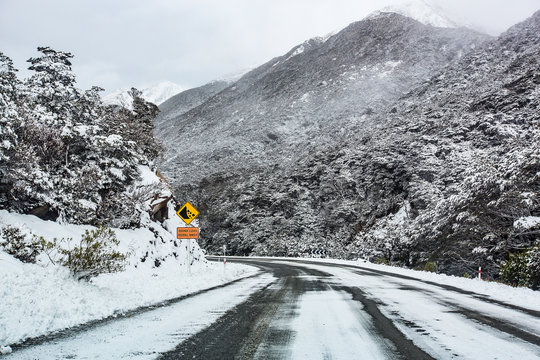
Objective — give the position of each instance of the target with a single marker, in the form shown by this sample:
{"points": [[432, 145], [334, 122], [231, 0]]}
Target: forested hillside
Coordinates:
{"points": [[66, 157], [447, 175], [64, 154], [317, 92]]}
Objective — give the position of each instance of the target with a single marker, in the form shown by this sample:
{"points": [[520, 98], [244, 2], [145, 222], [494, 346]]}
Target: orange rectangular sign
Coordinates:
{"points": [[187, 233]]}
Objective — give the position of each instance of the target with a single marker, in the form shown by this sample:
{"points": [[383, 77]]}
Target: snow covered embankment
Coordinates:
{"points": [[41, 298]]}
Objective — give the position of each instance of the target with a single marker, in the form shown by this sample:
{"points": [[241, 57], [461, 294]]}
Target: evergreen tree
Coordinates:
{"points": [[74, 157], [9, 100], [52, 86]]}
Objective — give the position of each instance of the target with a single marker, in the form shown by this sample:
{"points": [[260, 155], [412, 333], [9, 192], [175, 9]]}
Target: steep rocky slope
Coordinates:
{"points": [[449, 173], [411, 164], [172, 109], [316, 92]]}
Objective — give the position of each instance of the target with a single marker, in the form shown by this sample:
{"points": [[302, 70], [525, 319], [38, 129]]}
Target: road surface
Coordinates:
{"points": [[307, 310]]}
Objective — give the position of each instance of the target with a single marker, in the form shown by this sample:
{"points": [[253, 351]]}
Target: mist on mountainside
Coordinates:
{"points": [[392, 140]]}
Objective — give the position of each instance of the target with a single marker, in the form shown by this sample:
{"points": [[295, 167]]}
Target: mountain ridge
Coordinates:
{"points": [[324, 72], [156, 94], [444, 178], [414, 172], [419, 10]]}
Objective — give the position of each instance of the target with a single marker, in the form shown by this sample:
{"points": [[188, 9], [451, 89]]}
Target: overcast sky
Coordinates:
{"points": [[124, 43]]}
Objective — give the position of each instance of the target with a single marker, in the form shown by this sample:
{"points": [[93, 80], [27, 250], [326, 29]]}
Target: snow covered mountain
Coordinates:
{"points": [[370, 144], [317, 92], [233, 76], [156, 94], [159, 93], [446, 175], [186, 100], [177, 105], [420, 10]]}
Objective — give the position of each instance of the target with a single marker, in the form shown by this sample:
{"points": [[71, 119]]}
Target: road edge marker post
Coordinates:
{"points": [[224, 258], [479, 273]]}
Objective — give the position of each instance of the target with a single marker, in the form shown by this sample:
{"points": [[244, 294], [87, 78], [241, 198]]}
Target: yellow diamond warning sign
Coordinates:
{"points": [[187, 213]]}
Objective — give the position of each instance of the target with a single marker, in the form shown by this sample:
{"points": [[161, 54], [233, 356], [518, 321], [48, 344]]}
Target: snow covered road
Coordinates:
{"points": [[310, 310]]}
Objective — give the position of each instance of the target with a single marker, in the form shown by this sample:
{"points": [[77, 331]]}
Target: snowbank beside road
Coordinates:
{"points": [[523, 297], [37, 299]]}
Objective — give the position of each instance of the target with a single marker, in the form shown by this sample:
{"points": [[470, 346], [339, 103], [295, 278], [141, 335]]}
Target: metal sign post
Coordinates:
{"points": [[188, 260]]}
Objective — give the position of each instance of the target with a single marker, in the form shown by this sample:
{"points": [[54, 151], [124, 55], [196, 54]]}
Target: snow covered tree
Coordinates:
{"points": [[89, 108], [23, 245], [522, 269], [76, 159], [53, 85], [136, 125], [9, 99]]}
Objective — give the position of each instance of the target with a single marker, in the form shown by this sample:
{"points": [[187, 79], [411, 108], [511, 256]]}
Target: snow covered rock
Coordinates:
{"points": [[527, 222]]}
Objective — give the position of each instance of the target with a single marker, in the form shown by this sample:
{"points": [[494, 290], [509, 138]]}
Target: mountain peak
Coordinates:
{"points": [[419, 10], [156, 94], [233, 76]]}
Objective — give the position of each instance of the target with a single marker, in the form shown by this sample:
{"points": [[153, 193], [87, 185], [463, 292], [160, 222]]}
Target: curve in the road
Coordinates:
{"points": [[244, 332]]}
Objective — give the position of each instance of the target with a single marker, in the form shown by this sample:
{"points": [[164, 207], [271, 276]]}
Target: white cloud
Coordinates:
{"points": [[125, 42]]}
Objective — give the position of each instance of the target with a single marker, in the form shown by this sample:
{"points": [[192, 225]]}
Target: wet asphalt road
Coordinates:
{"points": [[248, 331], [244, 332], [308, 310]]}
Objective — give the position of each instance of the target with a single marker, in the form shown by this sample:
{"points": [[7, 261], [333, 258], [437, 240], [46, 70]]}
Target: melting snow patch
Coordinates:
{"points": [[388, 68], [114, 140], [4, 350], [88, 204], [392, 64], [118, 173], [479, 250], [527, 222], [148, 177], [298, 51], [81, 129]]}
